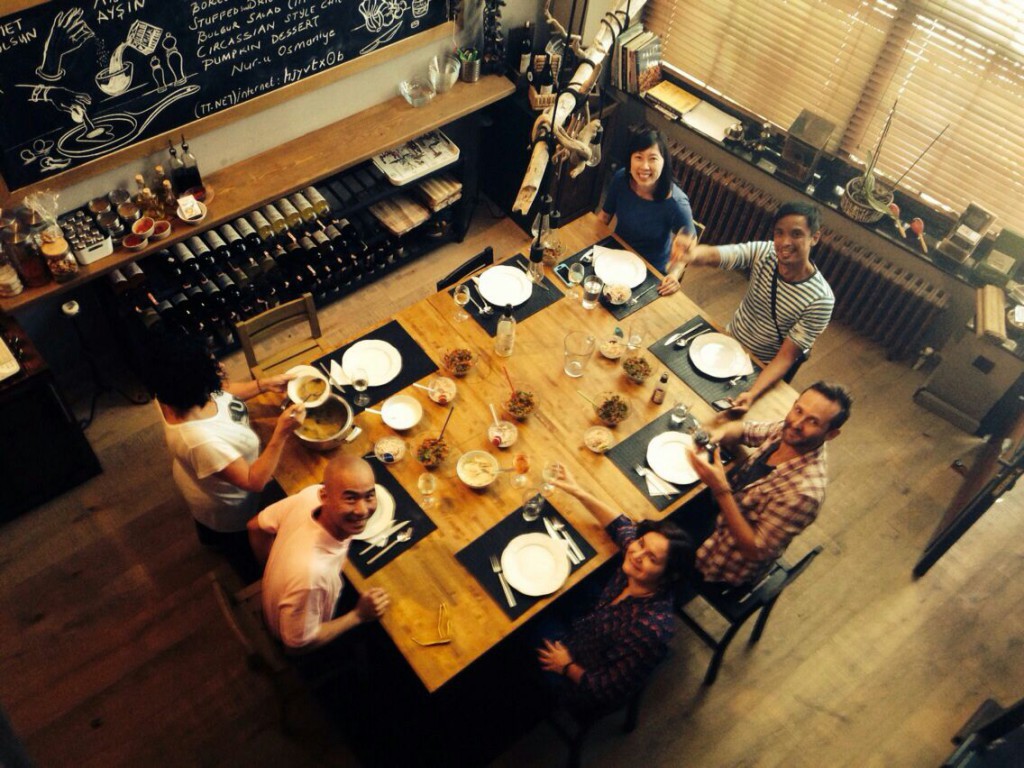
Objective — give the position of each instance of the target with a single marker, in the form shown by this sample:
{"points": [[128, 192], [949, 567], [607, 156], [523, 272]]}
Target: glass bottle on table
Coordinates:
{"points": [[505, 337]]}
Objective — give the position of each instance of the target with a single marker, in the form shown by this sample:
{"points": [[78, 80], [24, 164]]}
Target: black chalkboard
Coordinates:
{"points": [[79, 80]]}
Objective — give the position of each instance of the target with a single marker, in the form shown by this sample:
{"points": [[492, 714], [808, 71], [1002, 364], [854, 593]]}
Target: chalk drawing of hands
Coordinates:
{"points": [[68, 32], [66, 100]]}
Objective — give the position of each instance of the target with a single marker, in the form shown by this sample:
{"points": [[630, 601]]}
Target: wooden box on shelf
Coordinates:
{"points": [[539, 101]]}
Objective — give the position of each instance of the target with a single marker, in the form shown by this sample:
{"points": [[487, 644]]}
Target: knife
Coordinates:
{"points": [[573, 546], [383, 537], [573, 557], [673, 338]]}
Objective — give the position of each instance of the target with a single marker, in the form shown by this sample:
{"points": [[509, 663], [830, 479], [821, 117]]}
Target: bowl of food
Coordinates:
{"points": [[326, 426], [308, 386], [389, 449], [617, 293], [520, 404], [636, 368], [161, 229], [477, 469], [442, 390], [611, 408], [400, 412], [458, 361], [502, 434], [417, 91], [613, 348], [143, 227], [431, 452], [598, 439], [134, 242]]}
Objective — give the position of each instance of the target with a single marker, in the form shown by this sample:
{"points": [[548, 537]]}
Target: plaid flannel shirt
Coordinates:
{"points": [[778, 507]]}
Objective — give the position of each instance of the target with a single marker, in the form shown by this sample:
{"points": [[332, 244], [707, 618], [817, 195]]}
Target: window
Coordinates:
{"points": [[946, 62]]}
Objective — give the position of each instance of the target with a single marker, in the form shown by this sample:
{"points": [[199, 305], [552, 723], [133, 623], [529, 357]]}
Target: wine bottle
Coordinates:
{"points": [[236, 245], [190, 175], [133, 274], [221, 253], [303, 206], [291, 215], [248, 234], [118, 282], [276, 219], [526, 48], [320, 204], [177, 170], [264, 231], [186, 259], [202, 253], [546, 81]]}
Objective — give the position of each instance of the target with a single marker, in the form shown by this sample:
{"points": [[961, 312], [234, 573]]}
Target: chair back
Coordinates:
{"points": [[275, 340], [483, 259], [736, 604], [243, 613]]}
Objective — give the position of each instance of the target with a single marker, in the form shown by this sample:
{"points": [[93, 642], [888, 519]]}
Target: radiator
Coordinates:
{"points": [[874, 297]]}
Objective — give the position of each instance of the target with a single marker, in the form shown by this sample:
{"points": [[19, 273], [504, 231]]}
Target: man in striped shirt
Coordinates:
{"points": [[788, 302]]}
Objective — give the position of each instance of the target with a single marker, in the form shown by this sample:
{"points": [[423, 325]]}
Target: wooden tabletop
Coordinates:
{"points": [[428, 573]]}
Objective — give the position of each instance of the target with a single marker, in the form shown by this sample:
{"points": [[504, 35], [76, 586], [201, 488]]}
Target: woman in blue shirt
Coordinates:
{"points": [[651, 212]]}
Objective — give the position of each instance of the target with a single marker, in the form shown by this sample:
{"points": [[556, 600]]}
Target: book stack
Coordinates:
{"points": [[636, 60]]}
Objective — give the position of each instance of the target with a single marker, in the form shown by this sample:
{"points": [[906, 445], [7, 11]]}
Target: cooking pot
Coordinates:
{"points": [[328, 425], [400, 412]]}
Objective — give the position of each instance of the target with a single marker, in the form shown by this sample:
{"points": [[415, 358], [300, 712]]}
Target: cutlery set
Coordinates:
{"points": [[656, 484]]}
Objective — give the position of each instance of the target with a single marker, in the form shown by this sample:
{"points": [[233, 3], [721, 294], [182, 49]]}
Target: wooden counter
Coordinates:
{"points": [[428, 573], [268, 176]]}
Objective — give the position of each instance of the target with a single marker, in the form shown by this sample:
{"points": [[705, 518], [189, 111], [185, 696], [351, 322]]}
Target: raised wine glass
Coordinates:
{"points": [[576, 274], [461, 297], [427, 484], [521, 465], [550, 473], [360, 381]]}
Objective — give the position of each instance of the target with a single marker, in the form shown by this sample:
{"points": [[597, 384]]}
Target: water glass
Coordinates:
{"points": [[427, 484], [360, 381], [578, 348], [549, 473], [592, 287], [679, 413], [635, 338], [533, 504], [576, 274]]}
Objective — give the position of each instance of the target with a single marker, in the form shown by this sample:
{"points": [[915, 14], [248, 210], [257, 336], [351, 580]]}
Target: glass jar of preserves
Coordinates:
{"points": [[10, 283], [59, 259], [24, 251]]}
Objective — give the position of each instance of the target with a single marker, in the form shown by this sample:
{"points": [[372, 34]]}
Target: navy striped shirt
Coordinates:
{"points": [[802, 309]]}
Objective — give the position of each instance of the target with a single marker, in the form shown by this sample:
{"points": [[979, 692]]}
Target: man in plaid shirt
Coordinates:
{"points": [[770, 498]]}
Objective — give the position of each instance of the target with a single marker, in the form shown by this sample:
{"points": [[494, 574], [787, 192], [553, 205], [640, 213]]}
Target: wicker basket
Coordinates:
{"points": [[857, 211], [538, 101]]}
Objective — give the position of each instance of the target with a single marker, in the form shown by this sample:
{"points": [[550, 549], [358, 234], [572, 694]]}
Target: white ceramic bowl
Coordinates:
{"points": [[477, 469], [400, 412], [303, 373]]}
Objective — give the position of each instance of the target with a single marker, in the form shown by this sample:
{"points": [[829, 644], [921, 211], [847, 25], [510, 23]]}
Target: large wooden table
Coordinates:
{"points": [[428, 573]]}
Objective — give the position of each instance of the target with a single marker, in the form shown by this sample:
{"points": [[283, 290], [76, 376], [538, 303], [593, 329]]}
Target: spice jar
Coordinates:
{"points": [[10, 283], [24, 250], [59, 259]]}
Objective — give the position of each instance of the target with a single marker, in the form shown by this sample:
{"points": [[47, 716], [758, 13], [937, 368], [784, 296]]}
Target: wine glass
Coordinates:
{"points": [[521, 465], [461, 297], [360, 381], [427, 484], [550, 474], [533, 504], [576, 274], [679, 413]]}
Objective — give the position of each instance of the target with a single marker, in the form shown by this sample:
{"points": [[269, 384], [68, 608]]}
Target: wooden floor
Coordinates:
{"points": [[113, 652]]}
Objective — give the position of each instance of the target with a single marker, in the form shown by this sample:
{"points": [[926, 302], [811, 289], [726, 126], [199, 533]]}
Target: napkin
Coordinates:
{"points": [[338, 374], [657, 486]]}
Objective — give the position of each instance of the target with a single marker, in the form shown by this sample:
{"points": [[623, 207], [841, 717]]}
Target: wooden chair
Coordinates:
{"points": [[736, 606], [483, 259], [260, 329], [574, 732]]}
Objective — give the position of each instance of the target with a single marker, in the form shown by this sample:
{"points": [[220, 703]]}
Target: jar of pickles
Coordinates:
{"points": [[60, 260], [10, 283]]}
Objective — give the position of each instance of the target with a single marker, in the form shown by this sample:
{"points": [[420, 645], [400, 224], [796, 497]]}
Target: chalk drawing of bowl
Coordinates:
{"points": [[113, 83]]}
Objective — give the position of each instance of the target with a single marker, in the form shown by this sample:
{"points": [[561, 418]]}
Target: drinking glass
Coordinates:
{"points": [[461, 298], [427, 484], [360, 381], [592, 287], [578, 347], [576, 274], [635, 338], [679, 413], [521, 464], [550, 473], [533, 504]]}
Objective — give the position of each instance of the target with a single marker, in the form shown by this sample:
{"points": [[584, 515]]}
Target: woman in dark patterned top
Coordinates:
{"points": [[609, 653]]}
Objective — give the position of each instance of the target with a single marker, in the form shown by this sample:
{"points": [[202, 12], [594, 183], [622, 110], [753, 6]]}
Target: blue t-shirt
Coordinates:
{"points": [[647, 225]]}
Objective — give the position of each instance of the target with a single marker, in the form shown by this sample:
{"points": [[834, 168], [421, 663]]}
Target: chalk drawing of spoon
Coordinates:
{"points": [[125, 127]]}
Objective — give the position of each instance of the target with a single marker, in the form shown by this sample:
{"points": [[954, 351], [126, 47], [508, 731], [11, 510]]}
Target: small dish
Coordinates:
{"points": [[161, 229], [303, 386], [617, 293], [417, 91], [598, 439], [477, 469], [611, 408], [134, 242], [195, 219], [458, 361], [613, 348], [144, 227], [503, 434], [442, 390], [389, 449]]}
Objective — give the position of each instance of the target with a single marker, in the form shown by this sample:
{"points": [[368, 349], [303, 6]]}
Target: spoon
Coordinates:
{"points": [[402, 537], [487, 308], [494, 415]]}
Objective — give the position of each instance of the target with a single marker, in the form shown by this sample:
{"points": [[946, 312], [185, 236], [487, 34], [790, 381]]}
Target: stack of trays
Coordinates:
{"points": [[399, 214], [440, 191]]}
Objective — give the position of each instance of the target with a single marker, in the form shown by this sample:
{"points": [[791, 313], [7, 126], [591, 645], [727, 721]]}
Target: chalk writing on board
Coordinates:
{"points": [[85, 78]]}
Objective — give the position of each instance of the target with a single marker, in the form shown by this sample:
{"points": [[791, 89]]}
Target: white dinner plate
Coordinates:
{"points": [[380, 359], [536, 564], [503, 285], [720, 356], [617, 267], [382, 518], [667, 456]]}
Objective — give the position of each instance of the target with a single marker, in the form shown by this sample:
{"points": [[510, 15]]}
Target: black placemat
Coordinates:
{"points": [[540, 298], [415, 362], [476, 557], [405, 509], [678, 361], [622, 310]]}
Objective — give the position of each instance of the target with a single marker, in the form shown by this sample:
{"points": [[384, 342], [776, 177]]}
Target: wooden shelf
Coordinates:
{"points": [[296, 164]]}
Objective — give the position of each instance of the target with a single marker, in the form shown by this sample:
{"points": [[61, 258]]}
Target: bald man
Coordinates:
{"points": [[304, 540]]}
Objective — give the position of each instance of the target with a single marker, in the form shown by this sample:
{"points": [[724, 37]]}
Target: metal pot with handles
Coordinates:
{"points": [[328, 425]]}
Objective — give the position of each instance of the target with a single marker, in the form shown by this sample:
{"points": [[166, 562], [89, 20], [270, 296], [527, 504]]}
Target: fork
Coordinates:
{"points": [[663, 485], [574, 548], [487, 308], [496, 567]]}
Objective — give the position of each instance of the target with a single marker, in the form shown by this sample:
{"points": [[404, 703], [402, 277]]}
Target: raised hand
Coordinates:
{"points": [[67, 33]]}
